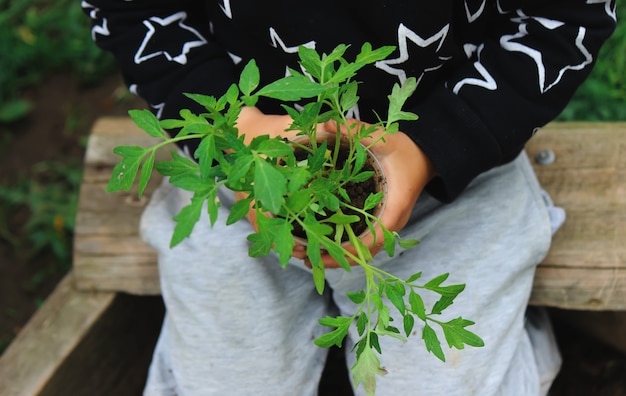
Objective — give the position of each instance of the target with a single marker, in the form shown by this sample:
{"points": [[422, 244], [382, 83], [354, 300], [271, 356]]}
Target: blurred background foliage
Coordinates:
{"points": [[38, 37], [603, 96]]}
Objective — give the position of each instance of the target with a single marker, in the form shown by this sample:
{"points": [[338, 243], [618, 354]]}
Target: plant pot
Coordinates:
{"points": [[358, 192]]}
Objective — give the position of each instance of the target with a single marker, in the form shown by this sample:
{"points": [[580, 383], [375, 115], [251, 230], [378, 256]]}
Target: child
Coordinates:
{"points": [[489, 73]]}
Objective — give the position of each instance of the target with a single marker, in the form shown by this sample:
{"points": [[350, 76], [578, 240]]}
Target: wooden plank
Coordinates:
{"points": [[108, 132], [49, 337], [589, 289], [113, 358], [587, 178]]}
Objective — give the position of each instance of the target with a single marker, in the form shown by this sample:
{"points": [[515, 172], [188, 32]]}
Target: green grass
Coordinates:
{"points": [[39, 37], [49, 195], [603, 96]]}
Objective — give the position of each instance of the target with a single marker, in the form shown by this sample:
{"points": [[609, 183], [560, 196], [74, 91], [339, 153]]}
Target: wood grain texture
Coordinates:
{"points": [[585, 268], [55, 330]]}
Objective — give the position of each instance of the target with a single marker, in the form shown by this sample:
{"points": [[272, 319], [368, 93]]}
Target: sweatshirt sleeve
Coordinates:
{"points": [[519, 78], [163, 48]]}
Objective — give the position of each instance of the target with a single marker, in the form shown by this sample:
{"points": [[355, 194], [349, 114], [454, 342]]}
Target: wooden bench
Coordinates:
{"points": [[585, 270]]}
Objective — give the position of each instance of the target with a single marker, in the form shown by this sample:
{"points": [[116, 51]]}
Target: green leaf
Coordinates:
{"points": [[292, 88], [449, 291], [240, 169], [397, 98], [148, 122], [360, 157], [146, 172], [270, 186], [178, 165], [345, 72], [363, 176], [349, 96], [318, 158], [436, 281], [298, 200], [389, 242], [213, 204], [206, 153], [367, 55], [232, 94], [187, 218], [310, 60], [341, 218], [125, 171], [208, 102], [432, 342], [172, 124], [361, 323], [239, 210], [275, 148], [315, 228], [337, 252], [298, 177], [261, 240], [307, 118], [356, 297], [319, 278], [261, 244], [408, 323], [373, 200], [414, 277], [396, 299], [457, 336], [374, 341], [249, 78], [365, 370], [408, 243], [417, 305], [335, 337], [441, 304], [189, 182], [283, 241]]}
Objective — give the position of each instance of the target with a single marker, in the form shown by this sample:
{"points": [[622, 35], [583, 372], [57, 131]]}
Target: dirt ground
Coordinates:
{"points": [[589, 368]]}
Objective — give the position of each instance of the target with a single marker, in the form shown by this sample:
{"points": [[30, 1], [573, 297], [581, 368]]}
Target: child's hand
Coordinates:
{"points": [[252, 123]]}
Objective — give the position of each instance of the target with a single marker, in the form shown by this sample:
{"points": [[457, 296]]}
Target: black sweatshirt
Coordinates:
{"points": [[490, 72]]}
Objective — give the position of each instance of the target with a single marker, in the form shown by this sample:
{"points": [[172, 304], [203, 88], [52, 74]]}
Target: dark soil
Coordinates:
{"points": [[357, 191], [56, 131]]}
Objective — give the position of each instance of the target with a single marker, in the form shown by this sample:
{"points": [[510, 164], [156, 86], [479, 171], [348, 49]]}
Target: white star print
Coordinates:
{"points": [[607, 6], [159, 109], [501, 9], [226, 8], [405, 33], [471, 17], [103, 29], [186, 47], [236, 59], [488, 82], [278, 42], [515, 43], [134, 89]]}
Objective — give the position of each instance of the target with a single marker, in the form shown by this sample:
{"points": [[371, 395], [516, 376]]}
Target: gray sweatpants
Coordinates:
{"points": [[241, 326]]}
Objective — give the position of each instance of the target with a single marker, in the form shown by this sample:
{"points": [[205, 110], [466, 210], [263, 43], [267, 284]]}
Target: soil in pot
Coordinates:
{"points": [[357, 191]]}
